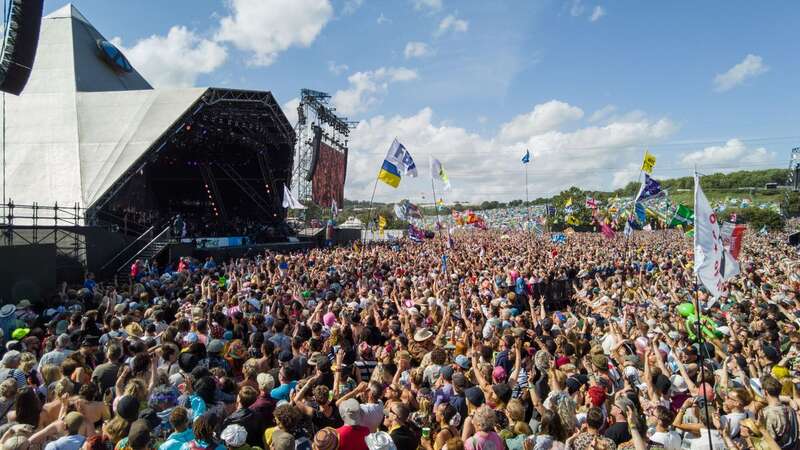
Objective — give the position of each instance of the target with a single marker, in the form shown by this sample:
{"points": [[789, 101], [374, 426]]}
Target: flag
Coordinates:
{"points": [[334, 208], [289, 201], [732, 236], [763, 231], [713, 263], [648, 162], [568, 203], [572, 220], [437, 170], [607, 231], [650, 188], [647, 227], [558, 238], [591, 203], [415, 234], [397, 160], [382, 223], [641, 213], [683, 215], [628, 229], [526, 158]]}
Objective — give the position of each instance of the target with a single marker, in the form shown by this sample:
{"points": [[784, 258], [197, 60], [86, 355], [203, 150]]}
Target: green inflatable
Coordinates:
{"points": [[686, 310]]}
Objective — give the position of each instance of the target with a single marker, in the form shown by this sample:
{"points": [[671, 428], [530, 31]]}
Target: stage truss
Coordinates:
{"points": [[314, 112]]}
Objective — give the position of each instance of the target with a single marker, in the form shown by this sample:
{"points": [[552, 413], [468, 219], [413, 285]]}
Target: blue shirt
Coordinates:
{"points": [[176, 440], [282, 392], [74, 442]]}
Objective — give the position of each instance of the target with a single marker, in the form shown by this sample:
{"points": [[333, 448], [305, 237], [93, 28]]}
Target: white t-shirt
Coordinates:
{"points": [[671, 440], [733, 419], [701, 443]]}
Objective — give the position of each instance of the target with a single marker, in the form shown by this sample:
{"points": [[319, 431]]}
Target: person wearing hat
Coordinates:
{"points": [[9, 368], [352, 434], [73, 440], [139, 437], [380, 440], [214, 356], [235, 438], [8, 320], [245, 417], [326, 439]]}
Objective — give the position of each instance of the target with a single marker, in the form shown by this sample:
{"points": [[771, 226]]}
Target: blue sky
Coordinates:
{"points": [[586, 85]]}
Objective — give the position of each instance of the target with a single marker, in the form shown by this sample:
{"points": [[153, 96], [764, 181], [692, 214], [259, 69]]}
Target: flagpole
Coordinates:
{"points": [[435, 204], [699, 330], [527, 207], [369, 215]]}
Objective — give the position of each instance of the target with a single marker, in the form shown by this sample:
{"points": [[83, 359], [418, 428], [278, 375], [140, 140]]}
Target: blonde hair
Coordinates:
{"points": [[116, 429], [27, 361], [51, 373], [63, 386], [136, 388], [484, 419]]}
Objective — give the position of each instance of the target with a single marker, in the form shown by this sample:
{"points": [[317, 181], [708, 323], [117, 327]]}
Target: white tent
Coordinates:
{"points": [[82, 121]]}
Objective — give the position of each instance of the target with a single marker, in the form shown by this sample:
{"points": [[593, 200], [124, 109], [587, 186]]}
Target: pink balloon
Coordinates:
{"points": [[641, 345]]}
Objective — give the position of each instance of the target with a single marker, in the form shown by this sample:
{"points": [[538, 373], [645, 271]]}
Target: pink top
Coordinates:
{"points": [[484, 441]]}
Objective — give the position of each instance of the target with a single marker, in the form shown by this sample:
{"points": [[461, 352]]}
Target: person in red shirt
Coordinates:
{"points": [[351, 435]]}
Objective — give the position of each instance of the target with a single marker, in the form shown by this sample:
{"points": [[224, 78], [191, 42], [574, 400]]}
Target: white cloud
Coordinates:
{"points": [[382, 19], [176, 59], [417, 50], [268, 27], [602, 113], [337, 69], [577, 8], [452, 23], [290, 110], [597, 13], [733, 153], [544, 117], [485, 167], [351, 6], [428, 5], [367, 88], [750, 67]]}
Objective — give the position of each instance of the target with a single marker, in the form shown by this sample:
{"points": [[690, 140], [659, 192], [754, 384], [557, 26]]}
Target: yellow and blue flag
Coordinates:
{"points": [[398, 162]]}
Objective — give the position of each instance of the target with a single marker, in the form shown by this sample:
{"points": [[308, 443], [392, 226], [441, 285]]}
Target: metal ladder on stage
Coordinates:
{"points": [[151, 249]]}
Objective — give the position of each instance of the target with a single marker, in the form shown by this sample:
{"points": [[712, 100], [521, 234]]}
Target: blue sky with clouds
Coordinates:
{"points": [[586, 85]]}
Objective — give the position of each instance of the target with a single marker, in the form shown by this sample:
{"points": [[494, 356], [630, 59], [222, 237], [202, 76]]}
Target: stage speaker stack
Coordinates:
{"points": [[19, 46], [794, 238]]}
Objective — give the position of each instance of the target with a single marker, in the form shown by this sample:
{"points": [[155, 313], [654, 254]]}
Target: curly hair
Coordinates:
{"points": [[321, 394], [484, 419], [288, 417], [116, 429]]}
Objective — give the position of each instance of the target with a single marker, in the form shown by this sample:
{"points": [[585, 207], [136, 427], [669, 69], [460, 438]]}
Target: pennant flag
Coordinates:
{"points": [[526, 158], [568, 203], [334, 208], [397, 160], [648, 163], [650, 188], [683, 216], [382, 223], [607, 231], [437, 169], [289, 201], [713, 263]]}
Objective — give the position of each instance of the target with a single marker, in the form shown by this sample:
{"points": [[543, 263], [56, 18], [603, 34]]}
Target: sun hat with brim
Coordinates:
{"points": [[20, 333], [423, 334], [326, 439], [380, 440], [7, 311], [234, 435], [24, 303]]}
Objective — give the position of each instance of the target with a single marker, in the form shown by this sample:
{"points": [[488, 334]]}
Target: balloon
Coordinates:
{"points": [[686, 309], [641, 345], [707, 327]]}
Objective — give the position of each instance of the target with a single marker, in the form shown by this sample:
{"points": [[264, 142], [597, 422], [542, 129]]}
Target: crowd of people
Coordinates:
{"points": [[490, 341]]}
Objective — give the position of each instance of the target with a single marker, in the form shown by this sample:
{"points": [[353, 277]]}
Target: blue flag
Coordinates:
{"points": [[641, 214], [650, 188], [558, 238], [527, 157]]}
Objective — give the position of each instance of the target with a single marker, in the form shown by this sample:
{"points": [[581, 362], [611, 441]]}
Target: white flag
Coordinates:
{"points": [[289, 201], [437, 170], [713, 264]]}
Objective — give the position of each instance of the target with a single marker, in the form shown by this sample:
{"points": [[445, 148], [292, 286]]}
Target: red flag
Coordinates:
{"points": [[607, 231]]}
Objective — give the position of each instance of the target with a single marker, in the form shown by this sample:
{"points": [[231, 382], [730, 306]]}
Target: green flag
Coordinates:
{"points": [[683, 216]]}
